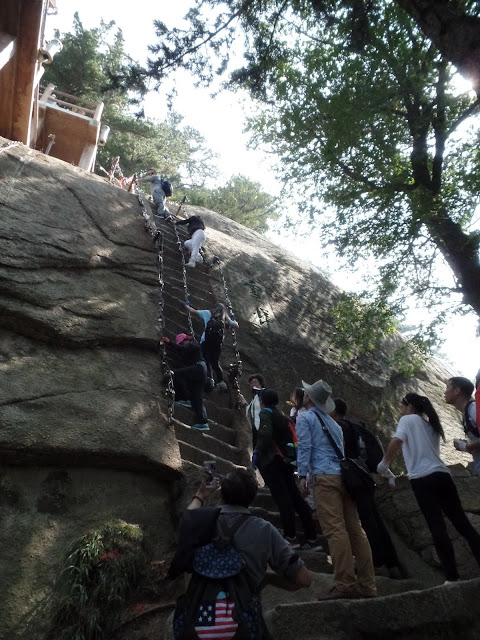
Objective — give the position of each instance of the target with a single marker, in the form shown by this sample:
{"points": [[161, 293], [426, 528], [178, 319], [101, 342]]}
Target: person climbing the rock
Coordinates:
{"points": [[271, 458], [160, 190], [252, 408], [359, 441], [189, 380], [430, 479], [216, 320], [196, 235], [459, 394]]}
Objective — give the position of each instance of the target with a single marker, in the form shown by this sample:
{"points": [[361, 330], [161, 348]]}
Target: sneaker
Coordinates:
{"points": [[293, 542], [184, 403], [221, 386], [311, 545], [336, 594], [191, 263], [201, 427]]}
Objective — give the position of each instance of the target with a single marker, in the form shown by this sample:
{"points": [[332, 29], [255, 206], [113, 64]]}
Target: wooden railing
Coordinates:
{"points": [[71, 103]]}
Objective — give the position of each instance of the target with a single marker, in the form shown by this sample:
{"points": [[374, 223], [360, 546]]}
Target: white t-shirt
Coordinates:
{"points": [[421, 446], [472, 414], [294, 412]]}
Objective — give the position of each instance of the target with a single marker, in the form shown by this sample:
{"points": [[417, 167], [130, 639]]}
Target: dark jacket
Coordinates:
{"points": [[189, 354], [194, 224]]}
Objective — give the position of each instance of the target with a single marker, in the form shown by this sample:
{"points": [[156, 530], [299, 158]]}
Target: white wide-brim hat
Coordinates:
{"points": [[320, 393]]}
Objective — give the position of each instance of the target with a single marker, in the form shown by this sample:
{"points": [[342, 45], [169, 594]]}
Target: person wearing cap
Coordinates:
{"points": [[189, 380], [354, 575]]}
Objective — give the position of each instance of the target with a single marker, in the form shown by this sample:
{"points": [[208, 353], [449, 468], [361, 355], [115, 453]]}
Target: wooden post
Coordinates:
{"points": [[31, 21], [98, 112], [47, 93]]}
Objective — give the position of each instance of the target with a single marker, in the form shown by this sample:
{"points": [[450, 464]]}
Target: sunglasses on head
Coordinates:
{"points": [[405, 401]]}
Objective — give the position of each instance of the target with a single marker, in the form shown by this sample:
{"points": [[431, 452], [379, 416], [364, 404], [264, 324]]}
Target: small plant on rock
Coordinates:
{"points": [[97, 574]]}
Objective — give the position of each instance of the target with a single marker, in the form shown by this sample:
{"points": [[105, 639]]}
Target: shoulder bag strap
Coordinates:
{"points": [[326, 431]]}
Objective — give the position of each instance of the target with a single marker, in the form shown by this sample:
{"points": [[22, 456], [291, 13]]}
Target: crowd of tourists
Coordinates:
{"points": [[318, 465]]}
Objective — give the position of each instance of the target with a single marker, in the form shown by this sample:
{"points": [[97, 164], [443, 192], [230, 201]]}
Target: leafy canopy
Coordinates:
{"points": [[240, 199], [376, 133], [93, 64]]}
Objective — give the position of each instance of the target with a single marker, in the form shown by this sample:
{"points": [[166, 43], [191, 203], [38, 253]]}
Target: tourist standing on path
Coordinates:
{"points": [[189, 380], [279, 475], [459, 394], [383, 551], [296, 403], [159, 196], [215, 320], [256, 540], [252, 408], [336, 510], [196, 235], [430, 479]]}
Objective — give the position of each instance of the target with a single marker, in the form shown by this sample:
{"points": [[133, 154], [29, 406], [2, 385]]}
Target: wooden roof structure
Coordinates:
{"points": [[41, 118]]}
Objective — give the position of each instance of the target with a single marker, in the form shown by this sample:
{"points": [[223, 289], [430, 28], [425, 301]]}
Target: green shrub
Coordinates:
{"points": [[97, 574]]}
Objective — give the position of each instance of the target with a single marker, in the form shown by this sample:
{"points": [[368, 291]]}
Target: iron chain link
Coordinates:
{"points": [[158, 241]]}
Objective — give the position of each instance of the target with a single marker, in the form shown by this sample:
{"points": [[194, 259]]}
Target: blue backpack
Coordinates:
{"points": [[220, 601]]}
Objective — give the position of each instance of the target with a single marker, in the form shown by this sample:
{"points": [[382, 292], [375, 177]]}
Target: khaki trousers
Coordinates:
{"points": [[338, 517]]}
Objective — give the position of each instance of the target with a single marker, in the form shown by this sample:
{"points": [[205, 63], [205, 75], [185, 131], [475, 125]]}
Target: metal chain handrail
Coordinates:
{"points": [[158, 241], [185, 285], [235, 369]]}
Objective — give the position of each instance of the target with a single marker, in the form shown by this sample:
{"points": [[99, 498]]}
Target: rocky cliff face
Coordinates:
{"points": [[83, 430]]}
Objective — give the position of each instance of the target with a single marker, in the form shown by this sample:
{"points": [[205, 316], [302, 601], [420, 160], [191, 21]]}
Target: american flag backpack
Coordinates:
{"points": [[220, 602]]}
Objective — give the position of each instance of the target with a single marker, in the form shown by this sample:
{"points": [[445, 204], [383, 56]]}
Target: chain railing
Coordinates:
{"points": [[184, 274], [158, 242], [235, 368]]}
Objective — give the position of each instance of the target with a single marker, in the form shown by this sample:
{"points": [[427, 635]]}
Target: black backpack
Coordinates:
{"points": [[215, 332], [361, 443], [167, 187], [283, 434], [220, 600], [469, 426]]}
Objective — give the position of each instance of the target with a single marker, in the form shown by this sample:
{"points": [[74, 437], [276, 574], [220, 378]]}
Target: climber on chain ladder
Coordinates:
{"points": [[196, 235], [216, 320], [161, 189]]}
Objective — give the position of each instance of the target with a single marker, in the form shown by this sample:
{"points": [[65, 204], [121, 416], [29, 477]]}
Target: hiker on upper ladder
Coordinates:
{"points": [[196, 238], [216, 320]]}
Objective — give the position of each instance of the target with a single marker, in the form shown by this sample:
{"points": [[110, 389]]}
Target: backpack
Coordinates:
{"points": [[220, 601], [469, 426], [361, 444], [370, 447], [167, 187], [285, 437], [215, 332]]}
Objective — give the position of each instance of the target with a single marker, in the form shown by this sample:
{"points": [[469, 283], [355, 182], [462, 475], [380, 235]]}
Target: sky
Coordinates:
{"points": [[220, 121]]}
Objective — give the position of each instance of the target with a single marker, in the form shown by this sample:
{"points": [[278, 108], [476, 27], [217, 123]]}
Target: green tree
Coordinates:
{"points": [[376, 136], [240, 199], [93, 65]]}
